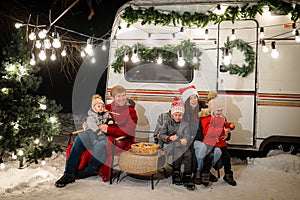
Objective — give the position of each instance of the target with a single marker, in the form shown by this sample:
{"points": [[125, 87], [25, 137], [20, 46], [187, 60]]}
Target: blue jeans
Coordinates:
{"points": [[89, 141], [200, 152]]}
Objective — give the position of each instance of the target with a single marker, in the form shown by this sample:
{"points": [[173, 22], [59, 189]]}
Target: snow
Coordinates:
{"points": [[274, 177]]}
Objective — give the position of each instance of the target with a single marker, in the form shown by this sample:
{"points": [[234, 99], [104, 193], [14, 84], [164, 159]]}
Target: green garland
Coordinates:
{"points": [[168, 52], [249, 54], [232, 13]]}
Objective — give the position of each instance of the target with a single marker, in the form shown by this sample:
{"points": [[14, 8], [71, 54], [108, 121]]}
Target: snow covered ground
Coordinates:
{"points": [[276, 177]]}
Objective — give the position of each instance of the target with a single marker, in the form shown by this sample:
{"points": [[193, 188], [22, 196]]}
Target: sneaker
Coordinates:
{"points": [[84, 174], [229, 179], [197, 179], [176, 178], [212, 178], [205, 179], [64, 180]]}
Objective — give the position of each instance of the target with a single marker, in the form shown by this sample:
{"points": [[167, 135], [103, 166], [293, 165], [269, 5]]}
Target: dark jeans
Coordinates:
{"points": [[225, 159], [185, 159], [86, 141]]}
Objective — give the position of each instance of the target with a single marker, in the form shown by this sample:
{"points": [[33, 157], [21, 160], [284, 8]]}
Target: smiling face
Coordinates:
{"points": [[193, 101], [217, 113], [120, 99], [99, 107], [177, 116]]}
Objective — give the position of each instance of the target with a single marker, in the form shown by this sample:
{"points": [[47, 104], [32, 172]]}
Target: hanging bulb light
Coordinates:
{"points": [[38, 44], [32, 36], [180, 61], [43, 106], [93, 60], [135, 57], [232, 37], [82, 54], [47, 43], [2, 165], [14, 156], [32, 60], [56, 42], [18, 25], [43, 162], [294, 28], [227, 57], [262, 34], [274, 53], [64, 52], [266, 11], [36, 141], [53, 55], [103, 46], [206, 37], [89, 46], [195, 59], [159, 59], [42, 54], [43, 33], [126, 57], [297, 37], [265, 49]]}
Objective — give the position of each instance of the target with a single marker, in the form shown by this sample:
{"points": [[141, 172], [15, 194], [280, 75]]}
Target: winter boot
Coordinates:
{"points": [[84, 174], [64, 180], [205, 178], [188, 182], [229, 179], [197, 178], [212, 178], [176, 178]]}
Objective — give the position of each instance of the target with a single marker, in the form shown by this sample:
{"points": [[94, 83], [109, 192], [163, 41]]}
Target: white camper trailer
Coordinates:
{"points": [[263, 102]]}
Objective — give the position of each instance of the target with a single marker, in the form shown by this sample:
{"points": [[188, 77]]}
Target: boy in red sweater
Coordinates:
{"points": [[215, 131]]}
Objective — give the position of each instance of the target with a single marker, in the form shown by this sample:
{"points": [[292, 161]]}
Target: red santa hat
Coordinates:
{"points": [[177, 106], [187, 92]]}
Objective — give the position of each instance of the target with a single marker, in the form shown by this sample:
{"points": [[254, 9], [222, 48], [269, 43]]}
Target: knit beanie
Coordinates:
{"points": [[187, 92], [95, 100], [216, 104], [177, 106]]}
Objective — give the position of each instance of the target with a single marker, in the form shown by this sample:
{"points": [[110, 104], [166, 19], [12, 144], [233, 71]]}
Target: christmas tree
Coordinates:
{"points": [[28, 122]]}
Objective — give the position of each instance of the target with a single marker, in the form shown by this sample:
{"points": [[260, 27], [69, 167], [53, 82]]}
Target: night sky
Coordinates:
{"points": [[57, 82]]}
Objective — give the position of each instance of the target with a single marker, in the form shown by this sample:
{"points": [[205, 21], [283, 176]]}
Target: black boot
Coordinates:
{"points": [[229, 179], [84, 174], [205, 178], [188, 182], [64, 180], [197, 178], [176, 178], [212, 178]]}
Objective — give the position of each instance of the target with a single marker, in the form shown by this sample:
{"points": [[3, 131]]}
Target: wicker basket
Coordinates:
{"points": [[142, 165], [144, 148]]}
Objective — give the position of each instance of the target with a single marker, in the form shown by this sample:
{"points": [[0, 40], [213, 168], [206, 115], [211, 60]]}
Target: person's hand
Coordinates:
{"points": [[225, 134], [183, 141], [173, 137], [103, 127]]}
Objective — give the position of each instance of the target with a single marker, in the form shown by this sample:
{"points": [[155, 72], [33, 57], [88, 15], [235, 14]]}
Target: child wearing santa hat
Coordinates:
{"points": [[175, 137], [215, 131]]}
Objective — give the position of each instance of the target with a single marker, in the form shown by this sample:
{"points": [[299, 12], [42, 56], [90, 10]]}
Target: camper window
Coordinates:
{"points": [[157, 73]]}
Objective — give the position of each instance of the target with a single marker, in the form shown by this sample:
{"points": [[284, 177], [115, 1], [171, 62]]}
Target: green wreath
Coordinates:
{"points": [[249, 54]]}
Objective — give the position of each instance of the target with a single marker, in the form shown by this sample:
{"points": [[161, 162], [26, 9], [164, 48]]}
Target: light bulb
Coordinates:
{"points": [[181, 62], [43, 106], [93, 60], [36, 141], [32, 61], [38, 44], [43, 162], [32, 36], [126, 57], [42, 55], [227, 57], [63, 53], [20, 152], [18, 25], [103, 47], [274, 53], [232, 37], [206, 37], [82, 54], [42, 34], [13, 156], [134, 57], [56, 43], [2, 166], [53, 57], [262, 34], [265, 49], [159, 59]]}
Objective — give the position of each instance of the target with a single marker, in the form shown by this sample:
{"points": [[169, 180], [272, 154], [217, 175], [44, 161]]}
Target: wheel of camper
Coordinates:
{"points": [[249, 54]]}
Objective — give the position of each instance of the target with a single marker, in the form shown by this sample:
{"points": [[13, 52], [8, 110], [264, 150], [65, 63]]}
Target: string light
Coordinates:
{"points": [[232, 37], [103, 46], [294, 28], [64, 52], [43, 163], [38, 44], [262, 34], [159, 59], [53, 55], [18, 25], [56, 42], [126, 57], [82, 54], [32, 36], [206, 37], [43, 33], [42, 54], [274, 53], [227, 57], [89, 46], [180, 61], [32, 60], [265, 49], [134, 57], [93, 60], [14, 156], [195, 59], [47, 43], [297, 37], [43, 106]]}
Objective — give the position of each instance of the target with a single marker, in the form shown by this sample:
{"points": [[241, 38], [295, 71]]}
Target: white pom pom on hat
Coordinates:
{"points": [[187, 92]]}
